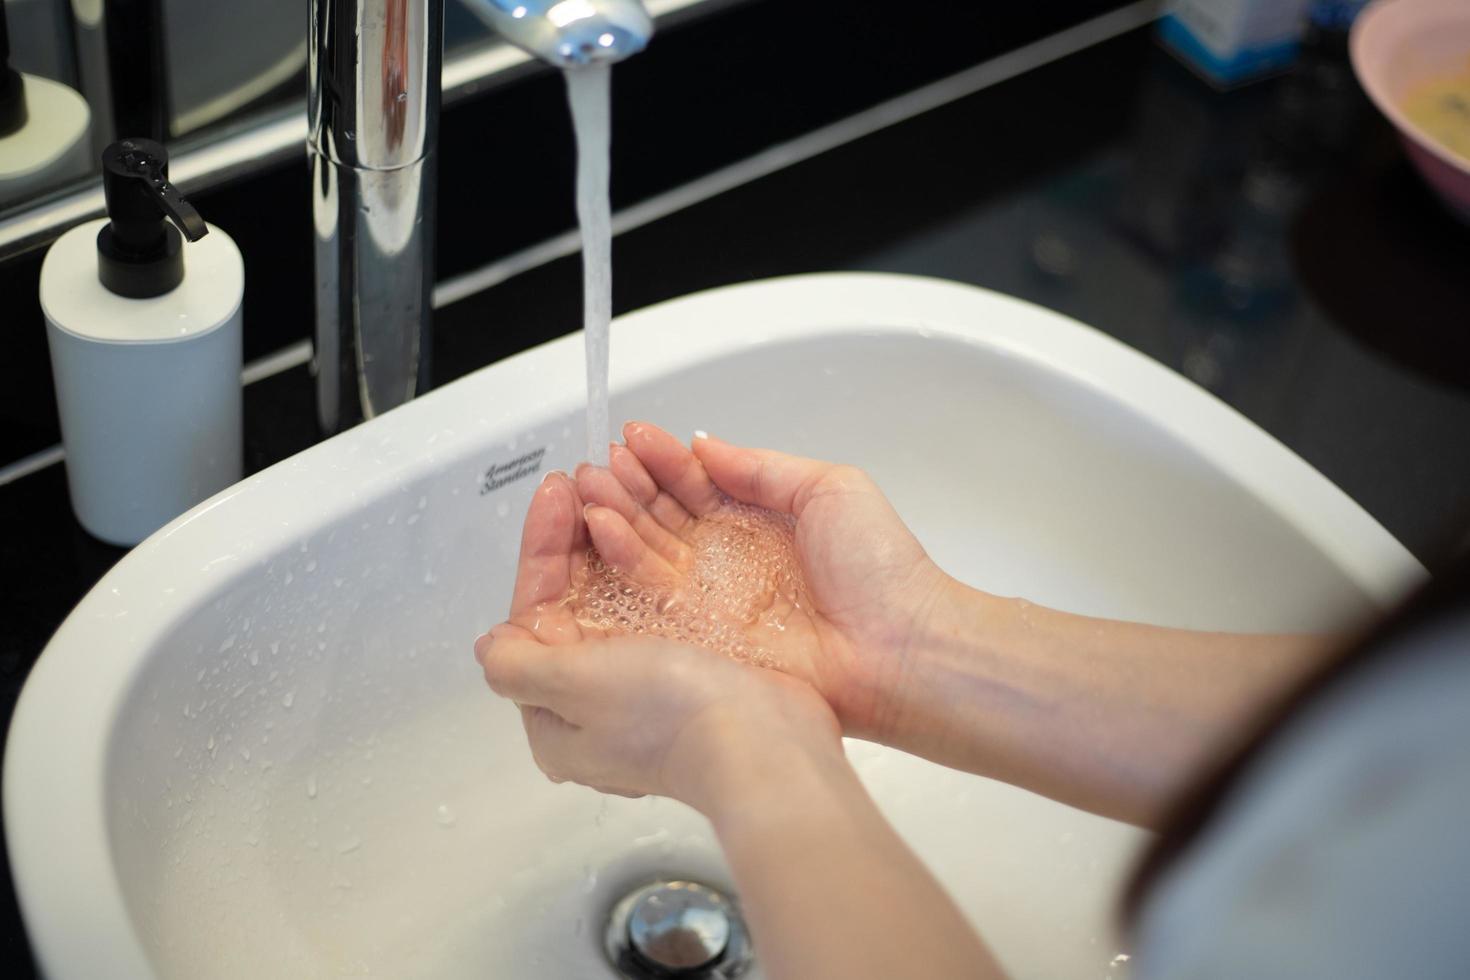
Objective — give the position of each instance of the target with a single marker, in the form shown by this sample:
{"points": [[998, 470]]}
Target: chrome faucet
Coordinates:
{"points": [[373, 117]]}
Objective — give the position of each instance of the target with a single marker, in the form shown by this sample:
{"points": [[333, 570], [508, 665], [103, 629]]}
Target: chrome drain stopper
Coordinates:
{"points": [[677, 929]]}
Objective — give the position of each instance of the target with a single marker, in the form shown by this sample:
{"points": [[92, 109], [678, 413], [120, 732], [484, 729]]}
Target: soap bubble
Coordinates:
{"points": [[743, 566]]}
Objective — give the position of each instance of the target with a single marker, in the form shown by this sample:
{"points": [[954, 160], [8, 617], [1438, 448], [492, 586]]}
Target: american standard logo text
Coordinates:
{"points": [[500, 474]]}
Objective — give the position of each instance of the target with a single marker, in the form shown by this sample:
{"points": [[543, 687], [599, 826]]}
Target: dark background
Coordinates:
{"points": [[1270, 243]]}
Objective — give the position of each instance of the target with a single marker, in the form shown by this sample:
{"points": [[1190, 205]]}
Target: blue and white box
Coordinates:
{"points": [[1233, 41]]}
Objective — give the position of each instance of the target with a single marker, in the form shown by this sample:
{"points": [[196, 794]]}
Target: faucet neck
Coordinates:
{"points": [[374, 72]]}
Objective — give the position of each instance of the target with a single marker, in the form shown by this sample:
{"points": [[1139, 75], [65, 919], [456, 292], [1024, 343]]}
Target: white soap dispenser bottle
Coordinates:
{"points": [[145, 341]]}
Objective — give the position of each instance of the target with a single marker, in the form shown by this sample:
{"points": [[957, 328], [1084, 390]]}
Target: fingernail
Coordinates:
{"points": [[550, 474], [701, 434], [587, 510], [482, 647], [632, 428]]}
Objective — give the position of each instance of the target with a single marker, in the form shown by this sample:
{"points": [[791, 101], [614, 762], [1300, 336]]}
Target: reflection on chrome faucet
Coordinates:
{"points": [[373, 111], [569, 33]]}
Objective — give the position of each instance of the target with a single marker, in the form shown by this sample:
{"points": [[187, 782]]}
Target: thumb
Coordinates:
{"points": [[764, 477]]}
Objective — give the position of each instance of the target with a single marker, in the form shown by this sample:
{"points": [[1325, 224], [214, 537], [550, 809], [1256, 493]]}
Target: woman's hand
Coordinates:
{"points": [[639, 715], [871, 585]]}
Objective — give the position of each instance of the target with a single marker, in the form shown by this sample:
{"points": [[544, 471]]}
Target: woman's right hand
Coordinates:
{"points": [[870, 583]]}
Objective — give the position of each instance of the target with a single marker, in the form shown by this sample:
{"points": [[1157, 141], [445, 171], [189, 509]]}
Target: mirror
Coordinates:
{"points": [[49, 132], [222, 85], [78, 73]]}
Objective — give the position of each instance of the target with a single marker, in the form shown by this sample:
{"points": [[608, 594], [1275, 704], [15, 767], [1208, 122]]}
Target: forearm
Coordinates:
{"points": [[830, 891], [1109, 716]]}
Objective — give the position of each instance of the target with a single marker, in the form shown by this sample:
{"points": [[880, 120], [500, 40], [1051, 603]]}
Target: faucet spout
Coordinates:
{"points": [[570, 33]]}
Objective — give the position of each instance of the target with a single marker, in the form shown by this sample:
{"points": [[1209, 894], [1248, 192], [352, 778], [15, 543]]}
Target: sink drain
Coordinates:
{"points": [[677, 929]]}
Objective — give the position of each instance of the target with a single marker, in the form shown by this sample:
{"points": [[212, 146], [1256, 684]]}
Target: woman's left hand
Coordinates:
{"points": [[640, 715]]}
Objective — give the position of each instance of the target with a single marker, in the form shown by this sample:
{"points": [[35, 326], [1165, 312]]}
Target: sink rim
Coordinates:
{"points": [[55, 765]]}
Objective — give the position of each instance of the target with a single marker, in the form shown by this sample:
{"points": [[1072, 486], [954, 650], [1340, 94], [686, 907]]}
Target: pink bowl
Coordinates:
{"points": [[1396, 45]]}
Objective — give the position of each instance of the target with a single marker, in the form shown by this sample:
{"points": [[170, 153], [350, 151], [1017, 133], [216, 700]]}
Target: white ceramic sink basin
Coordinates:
{"points": [[261, 748]]}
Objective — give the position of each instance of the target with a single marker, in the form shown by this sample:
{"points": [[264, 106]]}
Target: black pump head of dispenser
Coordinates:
{"points": [[139, 253], [12, 87]]}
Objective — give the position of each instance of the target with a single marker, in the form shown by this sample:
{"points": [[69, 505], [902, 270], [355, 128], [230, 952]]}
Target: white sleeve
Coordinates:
{"points": [[1344, 852]]}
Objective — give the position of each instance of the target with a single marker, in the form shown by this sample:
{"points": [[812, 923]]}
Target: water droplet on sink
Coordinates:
{"points": [[311, 564], [290, 578], [502, 509], [254, 658], [311, 786], [228, 642], [348, 845], [444, 816], [288, 699]]}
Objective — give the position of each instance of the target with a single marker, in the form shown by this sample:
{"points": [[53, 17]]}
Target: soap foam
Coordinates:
{"points": [[741, 588]]}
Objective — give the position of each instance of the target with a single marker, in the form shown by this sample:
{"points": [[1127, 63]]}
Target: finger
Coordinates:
{"points": [[597, 485], [553, 537], [764, 477], [673, 467], [632, 474], [622, 548], [528, 672]]}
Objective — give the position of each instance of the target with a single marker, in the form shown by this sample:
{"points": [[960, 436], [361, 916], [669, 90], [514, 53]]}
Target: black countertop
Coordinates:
{"points": [[1271, 244]]}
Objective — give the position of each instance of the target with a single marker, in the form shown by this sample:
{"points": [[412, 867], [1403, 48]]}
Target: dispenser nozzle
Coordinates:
{"points": [[139, 253], [147, 163]]}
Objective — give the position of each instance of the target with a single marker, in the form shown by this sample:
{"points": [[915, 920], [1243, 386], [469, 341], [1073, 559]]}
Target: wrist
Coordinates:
{"points": [[759, 766], [782, 791], [954, 636], [872, 689]]}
